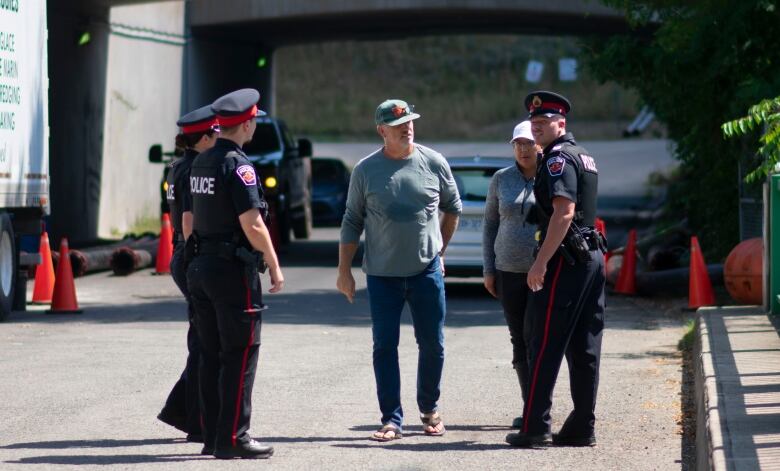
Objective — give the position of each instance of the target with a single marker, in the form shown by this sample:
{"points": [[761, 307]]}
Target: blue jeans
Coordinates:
{"points": [[425, 294]]}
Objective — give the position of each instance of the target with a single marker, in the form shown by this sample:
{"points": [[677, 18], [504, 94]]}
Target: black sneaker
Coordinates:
{"points": [[178, 422], [517, 422], [207, 450], [573, 440], [524, 440], [251, 449]]}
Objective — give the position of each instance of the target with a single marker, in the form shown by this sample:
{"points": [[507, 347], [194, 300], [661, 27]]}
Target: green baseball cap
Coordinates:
{"points": [[394, 112]]}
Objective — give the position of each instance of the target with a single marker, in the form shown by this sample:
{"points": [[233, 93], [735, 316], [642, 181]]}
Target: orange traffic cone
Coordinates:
{"points": [[44, 274], [601, 226], [699, 287], [165, 247], [626, 282], [64, 298]]}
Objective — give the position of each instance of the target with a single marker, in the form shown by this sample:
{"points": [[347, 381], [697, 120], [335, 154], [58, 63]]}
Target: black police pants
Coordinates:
{"points": [[183, 400], [228, 319], [565, 317], [512, 290]]}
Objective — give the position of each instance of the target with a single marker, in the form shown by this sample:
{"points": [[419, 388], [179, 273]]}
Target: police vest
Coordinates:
{"points": [[584, 165], [223, 184], [178, 188]]}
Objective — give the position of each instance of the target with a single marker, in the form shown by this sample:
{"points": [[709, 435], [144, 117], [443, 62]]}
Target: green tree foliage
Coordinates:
{"points": [[766, 114], [697, 65]]}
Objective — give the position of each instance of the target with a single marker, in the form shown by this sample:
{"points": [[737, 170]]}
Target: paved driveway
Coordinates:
{"points": [[84, 389]]}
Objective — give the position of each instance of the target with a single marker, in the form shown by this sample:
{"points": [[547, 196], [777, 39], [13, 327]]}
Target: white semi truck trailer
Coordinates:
{"points": [[24, 139]]}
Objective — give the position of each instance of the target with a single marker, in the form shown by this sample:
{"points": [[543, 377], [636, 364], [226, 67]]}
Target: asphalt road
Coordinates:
{"points": [[85, 389]]}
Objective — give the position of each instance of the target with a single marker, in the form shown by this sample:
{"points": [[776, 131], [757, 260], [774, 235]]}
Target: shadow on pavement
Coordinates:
{"points": [[400, 445], [106, 459], [310, 439], [418, 429], [317, 307], [467, 306], [107, 443]]}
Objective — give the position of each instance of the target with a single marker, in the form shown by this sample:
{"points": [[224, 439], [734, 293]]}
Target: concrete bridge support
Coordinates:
{"points": [[77, 88]]}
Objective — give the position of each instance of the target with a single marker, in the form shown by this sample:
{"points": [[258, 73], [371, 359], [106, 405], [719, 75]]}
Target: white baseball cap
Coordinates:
{"points": [[522, 130]]}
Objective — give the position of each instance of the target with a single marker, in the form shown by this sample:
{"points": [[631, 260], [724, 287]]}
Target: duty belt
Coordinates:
{"points": [[591, 238], [577, 245], [221, 248]]}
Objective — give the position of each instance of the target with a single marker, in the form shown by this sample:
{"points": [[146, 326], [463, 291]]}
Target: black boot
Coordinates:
{"points": [[250, 449], [571, 434], [518, 421], [525, 440]]}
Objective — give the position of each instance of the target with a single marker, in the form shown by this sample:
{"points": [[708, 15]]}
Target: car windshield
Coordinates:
{"points": [[473, 183], [264, 141]]}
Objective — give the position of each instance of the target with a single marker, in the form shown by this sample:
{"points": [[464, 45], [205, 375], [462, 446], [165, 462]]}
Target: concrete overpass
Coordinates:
{"points": [[231, 34], [224, 38], [293, 21]]}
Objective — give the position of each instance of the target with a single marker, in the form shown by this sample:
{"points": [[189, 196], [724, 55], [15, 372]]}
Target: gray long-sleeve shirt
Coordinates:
{"points": [[397, 202], [508, 241]]}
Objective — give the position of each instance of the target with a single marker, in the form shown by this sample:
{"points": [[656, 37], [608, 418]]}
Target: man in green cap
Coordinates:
{"points": [[396, 195]]}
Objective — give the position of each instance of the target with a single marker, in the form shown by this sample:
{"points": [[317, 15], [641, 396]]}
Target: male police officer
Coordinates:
{"points": [[198, 133], [565, 313], [229, 243]]}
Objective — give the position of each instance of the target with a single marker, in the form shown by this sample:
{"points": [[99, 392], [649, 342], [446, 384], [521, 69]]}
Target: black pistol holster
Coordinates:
{"points": [[253, 266], [575, 246], [576, 243], [190, 248]]}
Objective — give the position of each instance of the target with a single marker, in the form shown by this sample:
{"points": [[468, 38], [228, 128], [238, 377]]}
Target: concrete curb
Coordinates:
{"points": [[715, 440], [710, 453]]}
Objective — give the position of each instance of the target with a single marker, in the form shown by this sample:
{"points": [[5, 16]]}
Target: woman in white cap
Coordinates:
{"points": [[508, 242]]}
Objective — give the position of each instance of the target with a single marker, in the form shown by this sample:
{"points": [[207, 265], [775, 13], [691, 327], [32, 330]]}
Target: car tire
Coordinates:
{"points": [[283, 222], [303, 225], [7, 266]]}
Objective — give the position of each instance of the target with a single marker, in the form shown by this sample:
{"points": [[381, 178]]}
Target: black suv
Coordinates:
{"points": [[284, 167]]}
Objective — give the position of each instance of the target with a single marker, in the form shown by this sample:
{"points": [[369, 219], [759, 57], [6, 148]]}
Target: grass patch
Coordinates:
{"points": [[466, 87], [145, 224], [686, 342]]}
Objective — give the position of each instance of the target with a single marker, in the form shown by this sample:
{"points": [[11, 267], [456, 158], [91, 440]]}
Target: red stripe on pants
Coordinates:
{"points": [[243, 368], [544, 344]]}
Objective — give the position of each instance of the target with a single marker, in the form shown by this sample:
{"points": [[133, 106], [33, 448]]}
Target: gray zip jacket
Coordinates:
{"points": [[508, 241]]}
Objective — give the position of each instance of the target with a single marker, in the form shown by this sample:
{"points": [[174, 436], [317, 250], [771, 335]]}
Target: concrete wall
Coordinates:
{"points": [[76, 98], [142, 103]]}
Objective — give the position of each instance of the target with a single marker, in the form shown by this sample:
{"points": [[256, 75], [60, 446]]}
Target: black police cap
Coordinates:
{"points": [[199, 120], [547, 103], [237, 103]]}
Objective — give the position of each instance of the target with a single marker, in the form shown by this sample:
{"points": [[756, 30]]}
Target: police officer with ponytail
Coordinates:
{"points": [[198, 133], [229, 245], [565, 313]]}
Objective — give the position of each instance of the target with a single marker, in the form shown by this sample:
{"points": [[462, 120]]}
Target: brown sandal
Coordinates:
{"points": [[381, 434], [433, 420]]}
